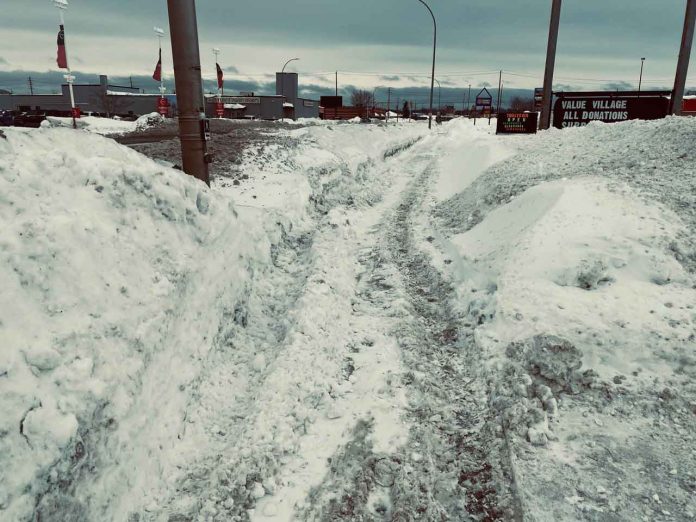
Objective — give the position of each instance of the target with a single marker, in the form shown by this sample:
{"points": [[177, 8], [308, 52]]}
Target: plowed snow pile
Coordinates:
{"points": [[575, 259], [115, 273]]}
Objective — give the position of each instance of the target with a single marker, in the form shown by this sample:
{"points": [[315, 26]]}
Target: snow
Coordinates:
{"points": [[96, 124], [370, 320]]}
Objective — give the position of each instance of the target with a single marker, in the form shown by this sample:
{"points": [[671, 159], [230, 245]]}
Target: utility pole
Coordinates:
{"points": [[468, 101], [183, 27], [31, 86], [500, 90], [336, 83], [684, 56], [131, 81], [550, 64], [386, 116], [640, 78]]}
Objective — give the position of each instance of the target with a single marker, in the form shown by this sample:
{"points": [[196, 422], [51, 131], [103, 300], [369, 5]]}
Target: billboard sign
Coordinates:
{"points": [[517, 123], [538, 97], [484, 99], [331, 102], [242, 100], [579, 109]]}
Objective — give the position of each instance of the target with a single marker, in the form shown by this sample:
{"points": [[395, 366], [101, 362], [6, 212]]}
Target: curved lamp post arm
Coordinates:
{"points": [[286, 64], [432, 78]]}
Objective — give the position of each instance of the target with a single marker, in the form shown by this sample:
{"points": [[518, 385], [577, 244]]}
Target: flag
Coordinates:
{"points": [[157, 75], [62, 59], [220, 76]]}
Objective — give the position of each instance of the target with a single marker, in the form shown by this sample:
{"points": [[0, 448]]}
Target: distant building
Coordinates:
{"points": [[102, 99], [105, 99], [285, 104]]}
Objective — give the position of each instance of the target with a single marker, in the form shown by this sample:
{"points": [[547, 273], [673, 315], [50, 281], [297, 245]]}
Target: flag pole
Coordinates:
{"points": [[62, 5], [216, 52], [160, 34]]}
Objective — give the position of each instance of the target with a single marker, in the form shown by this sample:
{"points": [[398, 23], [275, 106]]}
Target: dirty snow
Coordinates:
{"points": [[360, 322]]}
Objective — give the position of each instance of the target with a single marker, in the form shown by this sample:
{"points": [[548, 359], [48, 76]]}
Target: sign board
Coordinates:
{"points": [[331, 102], [538, 97], [576, 110], [163, 106], [76, 112], [308, 103], [242, 100], [484, 98], [517, 123], [205, 129], [219, 109]]}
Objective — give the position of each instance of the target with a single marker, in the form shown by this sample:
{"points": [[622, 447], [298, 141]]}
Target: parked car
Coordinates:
{"points": [[6, 118], [27, 119]]}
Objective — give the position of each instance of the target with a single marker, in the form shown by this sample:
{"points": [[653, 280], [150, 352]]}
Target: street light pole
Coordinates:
{"points": [[432, 76], [640, 79], [282, 86], [183, 27], [160, 34], [62, 5], [439, 95]]}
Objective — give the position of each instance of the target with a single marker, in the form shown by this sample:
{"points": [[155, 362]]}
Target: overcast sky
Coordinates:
{"points": [[601, 41]]}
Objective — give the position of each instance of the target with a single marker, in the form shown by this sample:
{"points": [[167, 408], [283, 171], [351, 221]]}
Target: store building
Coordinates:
{"points": [[102, 99], [286, 103]]}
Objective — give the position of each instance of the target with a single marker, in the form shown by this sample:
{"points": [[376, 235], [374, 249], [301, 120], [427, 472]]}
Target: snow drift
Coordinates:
{"points": [[115, 273]]}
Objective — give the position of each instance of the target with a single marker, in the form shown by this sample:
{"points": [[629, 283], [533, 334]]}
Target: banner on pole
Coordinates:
{"points": [[157, 75], [220, 76], [62, 58]]}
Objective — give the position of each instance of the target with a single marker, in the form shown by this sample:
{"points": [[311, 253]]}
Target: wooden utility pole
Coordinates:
{"points": [[189, 88], [684, 56], [550, 64], [31, 86], [336, 83], [500, 88]]}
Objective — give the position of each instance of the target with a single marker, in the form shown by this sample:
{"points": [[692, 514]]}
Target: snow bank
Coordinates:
{"points": [[116, 274], [575, 268], [95, 124]]}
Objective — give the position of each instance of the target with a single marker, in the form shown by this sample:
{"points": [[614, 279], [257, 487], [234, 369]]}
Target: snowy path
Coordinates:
{"points": [[411, 357]]}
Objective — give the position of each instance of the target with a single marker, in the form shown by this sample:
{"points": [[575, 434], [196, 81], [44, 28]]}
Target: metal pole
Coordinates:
{"points": [[282, 87], [386, 116], [432, 76], [550, 64], [640, 79], [684, 56], [62, 5], [468, 101], [183, 27], [336, 83], [216, 52], [500, 89]]}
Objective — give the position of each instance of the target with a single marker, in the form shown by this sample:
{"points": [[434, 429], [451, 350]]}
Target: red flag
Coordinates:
{"points": [[62, 59], [157, 75], [220, 76]]}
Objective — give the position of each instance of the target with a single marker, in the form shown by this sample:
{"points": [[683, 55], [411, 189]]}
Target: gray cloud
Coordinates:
{"points": [[230, 69], [3, 61], [598, 39], [390, 78]]}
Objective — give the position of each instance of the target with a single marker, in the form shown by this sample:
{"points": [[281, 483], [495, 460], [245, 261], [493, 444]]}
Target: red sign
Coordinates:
{"points": [[220, 109], [163, 106], [75, 112]]}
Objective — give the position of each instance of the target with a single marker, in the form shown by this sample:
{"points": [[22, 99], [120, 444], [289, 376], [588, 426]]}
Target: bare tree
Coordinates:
{"points": [[362, 98]]}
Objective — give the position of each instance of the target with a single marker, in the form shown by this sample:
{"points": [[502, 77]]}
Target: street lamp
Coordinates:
{"points": [[640, 80], [159, 32], [62, 5], [432, 77], [282, 86]]}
